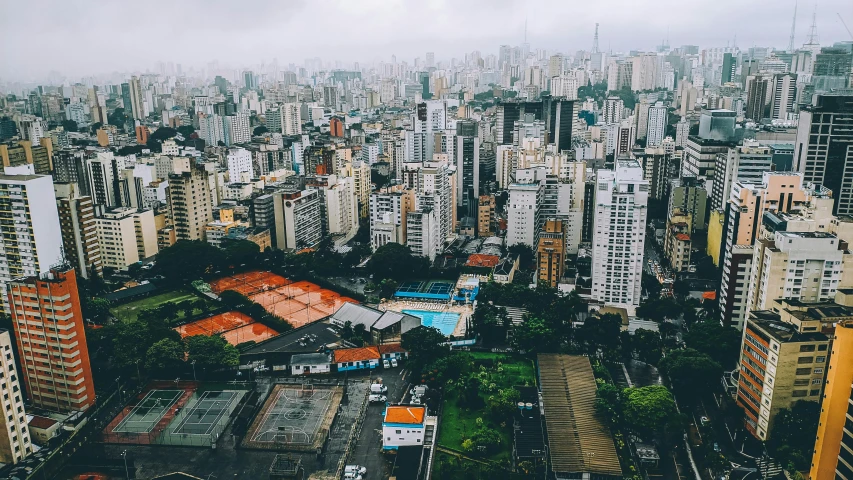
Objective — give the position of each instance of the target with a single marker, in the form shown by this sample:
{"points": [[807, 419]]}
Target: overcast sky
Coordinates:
{"points": [[92, 37]]}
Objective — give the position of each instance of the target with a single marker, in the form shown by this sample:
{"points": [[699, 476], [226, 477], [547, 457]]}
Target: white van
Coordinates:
{"points": [[378, 388], [355, 469], [352, 476], [376, 398]]}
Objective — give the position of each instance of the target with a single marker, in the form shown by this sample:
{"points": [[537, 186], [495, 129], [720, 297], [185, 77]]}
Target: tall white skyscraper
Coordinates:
{"points": [[31, 242], [621, 198], [291, 120], [210, 129], [236, 129], [657, 125], [239, 162], [613, 107]]}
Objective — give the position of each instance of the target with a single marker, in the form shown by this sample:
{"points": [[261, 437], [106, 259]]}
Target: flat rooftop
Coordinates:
{"points": [[771, 323]]}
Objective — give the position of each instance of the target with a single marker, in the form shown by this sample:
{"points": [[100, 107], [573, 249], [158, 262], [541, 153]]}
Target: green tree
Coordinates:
{"points": [[388, 287], [487, 438], [211, 351], [96, 309], [201, 306], [260, 130], [187, 260], [359, 331], [609, 402], [188, 307], [659, 309], [525, 252], [503, 405], [163, 133], [718, 342], [647, 345], [69, 125], [347, 331], [600, 335], [164, 355], [186, 130], [240, 252], [425, 345], [132, 339], [691, 371], [533, 335], [118, 118], [792, 438], [396, 262], [649, 409]]}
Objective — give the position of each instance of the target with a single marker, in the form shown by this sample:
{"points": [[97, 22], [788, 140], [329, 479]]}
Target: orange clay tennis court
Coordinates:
{"points": [[299, 303], [254, 332], [215, 324]]}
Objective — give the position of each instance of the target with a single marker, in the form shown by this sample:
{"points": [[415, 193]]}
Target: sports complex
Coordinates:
{"points": [[174, 413]]}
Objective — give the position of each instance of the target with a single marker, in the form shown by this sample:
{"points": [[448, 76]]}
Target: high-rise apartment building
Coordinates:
{"points": [[422, 232], [126, 236], [190, 202], [782, 360], [51, 340], [745, 163], [79, 232], [778, 192], [239, 162], [621, 198], [291, 119], [137, 107], [467, 167], [551, 253], [15, 439], [833, 451], [29, 223], [236, 129], [783, 96], [757, 92], [822, 151], [524, 207], [656, 125], [298, 219], [388, 211], [612, 111]]}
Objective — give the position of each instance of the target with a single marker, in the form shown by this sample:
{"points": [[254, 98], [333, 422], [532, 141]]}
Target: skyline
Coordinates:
{"points": [[371, 31]]}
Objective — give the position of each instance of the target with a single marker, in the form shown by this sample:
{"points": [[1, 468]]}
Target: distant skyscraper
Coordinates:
{"points": [[783, 96], [758, 88], [729, 67], [15, 438], [467, 167], [137, 107], [823, 152], [249, 79], [657, 124], [621, 198]]}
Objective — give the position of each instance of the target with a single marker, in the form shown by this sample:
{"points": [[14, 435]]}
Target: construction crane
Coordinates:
{"points": [[845, 25]]}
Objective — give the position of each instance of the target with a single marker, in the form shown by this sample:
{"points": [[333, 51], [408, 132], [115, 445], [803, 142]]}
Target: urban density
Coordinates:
{"points": [[490, 242]]}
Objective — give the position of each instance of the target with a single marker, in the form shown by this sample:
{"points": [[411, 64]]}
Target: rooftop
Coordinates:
{"points": [[771, 323], [579, 441], [480, 260], [356, 354], [405, 414], [310, 338], [310, 359]]}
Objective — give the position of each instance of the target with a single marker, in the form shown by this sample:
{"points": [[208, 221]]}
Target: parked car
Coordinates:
{"points": [[376, 398], [386, 364], [394, 362], [352, 476], [378, 388], [355, 469]]}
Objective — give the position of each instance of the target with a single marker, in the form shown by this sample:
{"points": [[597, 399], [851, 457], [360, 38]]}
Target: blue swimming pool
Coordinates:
{"points": [[444, 321]]}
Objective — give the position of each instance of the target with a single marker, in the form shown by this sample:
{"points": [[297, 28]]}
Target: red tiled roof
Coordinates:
{"points": [[356, 354], [481, 260], [391, 348], [683, 237], [41, 422]]}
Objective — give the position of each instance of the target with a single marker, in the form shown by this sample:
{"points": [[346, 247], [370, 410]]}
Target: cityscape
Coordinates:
{"points": [[426, 241]]}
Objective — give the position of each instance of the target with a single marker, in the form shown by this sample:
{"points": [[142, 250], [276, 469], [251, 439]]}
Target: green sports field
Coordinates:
{"points": [[129, 311]]}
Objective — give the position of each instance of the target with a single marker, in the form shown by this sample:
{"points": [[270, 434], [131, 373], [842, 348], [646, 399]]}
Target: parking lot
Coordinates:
{"points": [[367, 451]]}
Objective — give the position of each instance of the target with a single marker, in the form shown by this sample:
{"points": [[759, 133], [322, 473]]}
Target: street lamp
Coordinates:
{"points": [[126, 471], [193, 364]]}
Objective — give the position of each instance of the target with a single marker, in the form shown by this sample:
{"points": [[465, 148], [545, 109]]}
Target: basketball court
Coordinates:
{"points": [[295, 418]]}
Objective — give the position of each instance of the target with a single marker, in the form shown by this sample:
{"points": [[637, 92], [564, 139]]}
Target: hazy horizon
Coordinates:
{"points": [[89, 38]]}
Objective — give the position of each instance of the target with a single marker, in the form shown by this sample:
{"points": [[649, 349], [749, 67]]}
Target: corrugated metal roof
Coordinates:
{"points": [[356, 315], [579, 442]]}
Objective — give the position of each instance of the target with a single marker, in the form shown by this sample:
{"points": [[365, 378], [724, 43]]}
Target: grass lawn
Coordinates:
{"points": [[459, 422], [129, 311]]}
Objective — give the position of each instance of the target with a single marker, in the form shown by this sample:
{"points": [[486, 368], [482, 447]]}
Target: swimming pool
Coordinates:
{"points": [[444, 321]]}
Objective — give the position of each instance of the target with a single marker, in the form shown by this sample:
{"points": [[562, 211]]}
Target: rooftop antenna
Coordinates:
{"points": [[595, 40], [793, 29], [813, 39]]}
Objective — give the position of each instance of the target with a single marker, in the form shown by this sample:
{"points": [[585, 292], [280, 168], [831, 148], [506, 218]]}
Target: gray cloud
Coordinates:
{"points": [[89, 37]]}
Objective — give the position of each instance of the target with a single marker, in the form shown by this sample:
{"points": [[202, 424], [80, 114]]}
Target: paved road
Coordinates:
{"points": [[368, 449]]}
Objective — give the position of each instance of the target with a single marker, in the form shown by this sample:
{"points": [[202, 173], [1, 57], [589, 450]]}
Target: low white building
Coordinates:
{"points": [[310, 364], [403, 426]]}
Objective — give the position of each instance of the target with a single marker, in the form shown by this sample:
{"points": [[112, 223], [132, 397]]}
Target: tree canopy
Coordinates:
{"points": [[718, 342], [691, 371], [792, 437], [187, 260], [396, 262], [425, 345], [165, 355], [648, 410], [600, 334], [211, 351]]}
